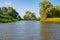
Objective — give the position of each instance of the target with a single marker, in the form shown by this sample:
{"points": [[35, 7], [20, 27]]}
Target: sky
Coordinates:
{"points": [[21, 6]]}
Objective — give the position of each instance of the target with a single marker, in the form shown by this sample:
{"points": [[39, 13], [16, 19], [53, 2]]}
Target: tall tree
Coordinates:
{"points": [[45, 4]]}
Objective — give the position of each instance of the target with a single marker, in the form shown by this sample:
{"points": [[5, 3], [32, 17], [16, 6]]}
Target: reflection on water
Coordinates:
{"points": [[23, 30], [50, 31], [29, 30]]}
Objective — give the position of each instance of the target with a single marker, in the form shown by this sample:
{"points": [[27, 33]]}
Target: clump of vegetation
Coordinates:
{"points": [[48, 10], [29, 16], [8, 15]]}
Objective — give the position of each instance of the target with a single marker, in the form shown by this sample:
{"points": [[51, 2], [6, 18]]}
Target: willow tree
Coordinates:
{"points": [[45, 4]]}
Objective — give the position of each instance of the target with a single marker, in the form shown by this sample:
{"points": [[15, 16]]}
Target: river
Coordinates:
{"points": [[29, 30]]}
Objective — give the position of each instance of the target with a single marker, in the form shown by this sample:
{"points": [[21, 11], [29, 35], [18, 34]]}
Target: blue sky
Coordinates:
{"points": [[25, 5]]}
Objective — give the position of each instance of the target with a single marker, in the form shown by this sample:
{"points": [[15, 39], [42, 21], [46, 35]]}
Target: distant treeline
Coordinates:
{"points": [[30, 16], [8, 14]]}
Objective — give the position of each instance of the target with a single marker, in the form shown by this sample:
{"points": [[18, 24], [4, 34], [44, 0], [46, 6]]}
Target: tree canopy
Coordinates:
{"points": [[29, 16], [47, 10], [8, 14]]}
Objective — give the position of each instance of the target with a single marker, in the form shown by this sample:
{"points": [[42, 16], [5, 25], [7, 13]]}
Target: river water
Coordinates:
{"points": [[29, 30]]}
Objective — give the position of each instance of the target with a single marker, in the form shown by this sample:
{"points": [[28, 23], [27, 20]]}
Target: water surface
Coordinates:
{"points": [[50, 31], [29, 30], [23, 30]]}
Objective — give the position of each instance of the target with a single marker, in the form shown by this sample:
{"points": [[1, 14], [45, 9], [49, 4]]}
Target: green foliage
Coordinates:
{"points": [[4, 9], [29, 16], [33, 16], [44, 6], [56, 11], [8, 15], [48, 10], [10, 9], [19, 18]]}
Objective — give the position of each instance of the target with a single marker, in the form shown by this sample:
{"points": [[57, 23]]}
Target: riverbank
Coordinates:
{"points": [[51, 20], [7, 19]]}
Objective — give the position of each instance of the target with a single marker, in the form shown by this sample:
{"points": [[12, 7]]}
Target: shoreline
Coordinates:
{"points": [[57, 20]]}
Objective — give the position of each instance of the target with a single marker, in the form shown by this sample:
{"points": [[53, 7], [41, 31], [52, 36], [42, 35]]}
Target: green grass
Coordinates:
{"points": [[7, 19], [57, 20]]}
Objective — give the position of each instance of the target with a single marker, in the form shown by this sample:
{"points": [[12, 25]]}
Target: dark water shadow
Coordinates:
{"points": [[50, 31]]}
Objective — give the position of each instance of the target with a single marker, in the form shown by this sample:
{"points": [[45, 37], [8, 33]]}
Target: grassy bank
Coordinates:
{"points": [[2, 20], [51, 20], [7, 19]]}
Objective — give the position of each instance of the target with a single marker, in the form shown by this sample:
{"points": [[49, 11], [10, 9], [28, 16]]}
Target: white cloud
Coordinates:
{"points": [[8, 3], [5, 4]]}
